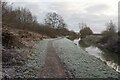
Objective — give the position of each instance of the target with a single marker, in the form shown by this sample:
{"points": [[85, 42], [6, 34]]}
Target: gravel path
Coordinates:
{"points": [[53, 67]]}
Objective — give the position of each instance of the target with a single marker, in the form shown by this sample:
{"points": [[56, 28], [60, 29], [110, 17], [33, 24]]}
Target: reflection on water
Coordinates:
{"points": [[109, 58], [94, 51], [76, 41]]}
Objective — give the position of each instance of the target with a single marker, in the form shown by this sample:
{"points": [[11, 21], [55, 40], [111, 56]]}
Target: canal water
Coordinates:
{"points": [[110, 59]]}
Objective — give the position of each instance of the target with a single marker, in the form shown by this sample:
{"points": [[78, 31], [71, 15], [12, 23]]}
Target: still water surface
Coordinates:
{"points": [[111, 59]]}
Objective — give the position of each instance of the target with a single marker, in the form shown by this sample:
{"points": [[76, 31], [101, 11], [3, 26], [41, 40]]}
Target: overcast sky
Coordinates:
{"points": [[95, 13]]}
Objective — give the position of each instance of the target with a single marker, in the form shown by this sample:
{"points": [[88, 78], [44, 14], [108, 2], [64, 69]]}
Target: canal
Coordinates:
{"points": [[109, 58]]}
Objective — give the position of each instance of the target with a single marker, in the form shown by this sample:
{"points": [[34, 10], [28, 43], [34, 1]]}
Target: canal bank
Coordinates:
{"points": [[79, 63], [109, 58]]}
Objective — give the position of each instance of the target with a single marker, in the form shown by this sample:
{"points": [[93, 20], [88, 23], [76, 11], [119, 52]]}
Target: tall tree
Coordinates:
{"points": [[54, 20], [111, 26], [110, 33]]}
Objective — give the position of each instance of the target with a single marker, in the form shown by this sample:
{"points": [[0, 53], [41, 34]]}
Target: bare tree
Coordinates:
{"points": [[24, 15], [82, 25], [111, 26], [54, 20]]}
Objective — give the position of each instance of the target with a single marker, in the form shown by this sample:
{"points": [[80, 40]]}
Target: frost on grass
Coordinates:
{"points": [[80, 63], [36, 60], [12, 62]]}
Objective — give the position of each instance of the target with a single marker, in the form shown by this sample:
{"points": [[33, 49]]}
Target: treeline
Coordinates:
{"points": [[22, 18], [111, 39]]}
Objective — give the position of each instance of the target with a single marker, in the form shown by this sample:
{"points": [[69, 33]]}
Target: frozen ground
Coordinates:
{"points": [[65, 56], [80, 63], [36, 61]]}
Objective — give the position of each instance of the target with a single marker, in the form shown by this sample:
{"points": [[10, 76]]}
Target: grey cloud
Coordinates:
{"points": [[95, 22], [72, 18], [97, 8]]}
